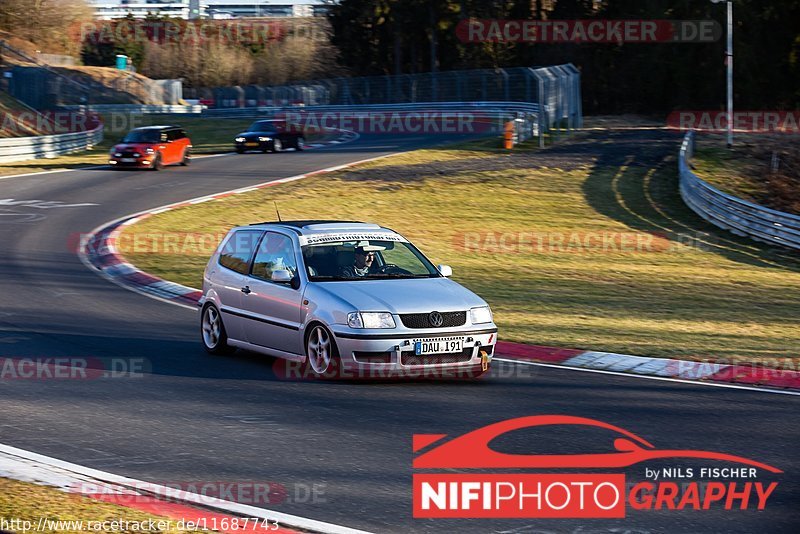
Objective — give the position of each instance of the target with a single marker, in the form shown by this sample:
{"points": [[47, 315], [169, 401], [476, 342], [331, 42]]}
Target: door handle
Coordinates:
{"points": [[246, 290]]}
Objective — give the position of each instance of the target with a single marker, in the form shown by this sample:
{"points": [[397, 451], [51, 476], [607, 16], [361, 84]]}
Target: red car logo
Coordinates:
{"points": [[472, 451]]}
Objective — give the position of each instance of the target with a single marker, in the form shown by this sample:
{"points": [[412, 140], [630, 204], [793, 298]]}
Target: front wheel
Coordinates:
{"points": [[212, 332], [277, 146], [322, 356], [157, 163], [300, 144]]}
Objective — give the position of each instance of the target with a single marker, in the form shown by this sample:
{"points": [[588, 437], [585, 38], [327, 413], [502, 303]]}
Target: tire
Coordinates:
{"points": [[212, 331], [239, 150], [157, 163], [277, 146], [322, 355], [187, 158], [300, 144]]}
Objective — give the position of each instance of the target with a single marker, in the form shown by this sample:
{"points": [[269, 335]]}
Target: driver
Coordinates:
{"points": [[362, 266]]}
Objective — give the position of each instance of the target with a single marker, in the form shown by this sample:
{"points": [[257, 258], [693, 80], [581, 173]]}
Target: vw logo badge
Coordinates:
{"points": [[436, 319]]}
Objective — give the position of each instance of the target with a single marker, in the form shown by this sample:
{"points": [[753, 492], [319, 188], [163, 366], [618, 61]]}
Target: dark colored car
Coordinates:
{"points": [[152, 147], [269, 135]]}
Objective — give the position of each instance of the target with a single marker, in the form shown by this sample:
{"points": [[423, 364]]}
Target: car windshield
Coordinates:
{"points": [[142, 136], [366, 260], [263, 126]]}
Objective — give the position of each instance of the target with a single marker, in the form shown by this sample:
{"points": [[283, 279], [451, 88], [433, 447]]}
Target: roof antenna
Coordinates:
{"points": [[277, 210]]}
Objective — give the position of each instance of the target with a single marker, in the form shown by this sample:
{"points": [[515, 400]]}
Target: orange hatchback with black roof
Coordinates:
{"points": [[152, 147]]}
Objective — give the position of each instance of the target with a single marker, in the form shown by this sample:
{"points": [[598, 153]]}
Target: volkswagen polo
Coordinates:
{"points": [[342, 297]]}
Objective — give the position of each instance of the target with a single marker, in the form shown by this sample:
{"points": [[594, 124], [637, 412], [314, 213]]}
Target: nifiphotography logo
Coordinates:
{"points": [[728, 482]]}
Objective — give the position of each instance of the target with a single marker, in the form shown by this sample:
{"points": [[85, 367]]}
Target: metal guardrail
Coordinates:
{"points": [[526, 115], [48, 146], [734, 214], [143, 109], [556, 90]]}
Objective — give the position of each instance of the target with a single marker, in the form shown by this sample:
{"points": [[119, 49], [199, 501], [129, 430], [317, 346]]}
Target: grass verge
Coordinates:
{"points": [[586, 244], [208, 135], [23, 502], [746, 170]]}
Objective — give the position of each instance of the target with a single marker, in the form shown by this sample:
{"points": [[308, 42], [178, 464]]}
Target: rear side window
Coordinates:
{"points": [[239, 249]]}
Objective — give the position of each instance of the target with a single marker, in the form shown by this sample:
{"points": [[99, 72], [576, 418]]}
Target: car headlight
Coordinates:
{"points": [[117, 154], [239, 139], [370, 320], [480, 315], [136, 155], [262, 139], [149, 150]]}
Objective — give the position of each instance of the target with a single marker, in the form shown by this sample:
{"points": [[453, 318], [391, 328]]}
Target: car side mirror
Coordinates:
{"points": [[445, 270], [281, 276]]}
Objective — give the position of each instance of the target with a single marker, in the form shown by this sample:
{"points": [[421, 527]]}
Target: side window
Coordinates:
{"points": [[164, 137], [275, 252], [238, 250], [181, 134]]}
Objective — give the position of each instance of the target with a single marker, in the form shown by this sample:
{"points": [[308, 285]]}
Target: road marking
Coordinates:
{"points": [[92, 168], [29, 464], [649, 377], [42, 204]]}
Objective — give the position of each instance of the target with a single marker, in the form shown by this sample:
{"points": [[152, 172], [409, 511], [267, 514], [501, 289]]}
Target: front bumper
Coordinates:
{"points": [[253, 145], [379, 354], [143, 162]]}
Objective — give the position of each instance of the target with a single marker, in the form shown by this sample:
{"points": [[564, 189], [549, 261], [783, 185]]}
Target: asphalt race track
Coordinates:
{"points": [[201, 418]]}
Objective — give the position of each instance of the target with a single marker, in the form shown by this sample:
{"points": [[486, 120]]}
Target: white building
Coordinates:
{"points": [[219, 9]]}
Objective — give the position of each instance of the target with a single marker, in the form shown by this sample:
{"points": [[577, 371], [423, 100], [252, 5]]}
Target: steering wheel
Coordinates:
{"points": [[391, 268]]}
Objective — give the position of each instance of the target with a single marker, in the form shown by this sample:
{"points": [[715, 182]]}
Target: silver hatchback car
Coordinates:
{"points": [[342, 299]]}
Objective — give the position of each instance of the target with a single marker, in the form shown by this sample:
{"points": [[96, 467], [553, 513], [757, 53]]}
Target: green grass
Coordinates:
{"points": [[693, 292], [208, 135], [24, 501]]}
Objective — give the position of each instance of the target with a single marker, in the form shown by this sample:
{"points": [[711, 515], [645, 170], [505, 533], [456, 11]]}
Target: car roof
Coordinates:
{"points": [[323, 226], [157, 127]]}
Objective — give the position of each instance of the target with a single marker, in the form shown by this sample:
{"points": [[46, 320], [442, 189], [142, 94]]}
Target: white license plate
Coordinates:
{"points": [[438, 345], [128, 160]]}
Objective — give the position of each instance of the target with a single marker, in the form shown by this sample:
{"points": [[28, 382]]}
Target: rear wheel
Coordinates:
{"points": [[300, 144], [212, 331], [187, 158]]}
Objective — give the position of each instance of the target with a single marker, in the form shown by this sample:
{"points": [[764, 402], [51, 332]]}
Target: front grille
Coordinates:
{"points": [[422, 320], [409, 358], [128, 154], [372, 357]]}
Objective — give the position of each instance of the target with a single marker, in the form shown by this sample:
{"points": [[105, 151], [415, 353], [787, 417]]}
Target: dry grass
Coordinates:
{"points": [[745, 171], [689, 291], [23, 501]]}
